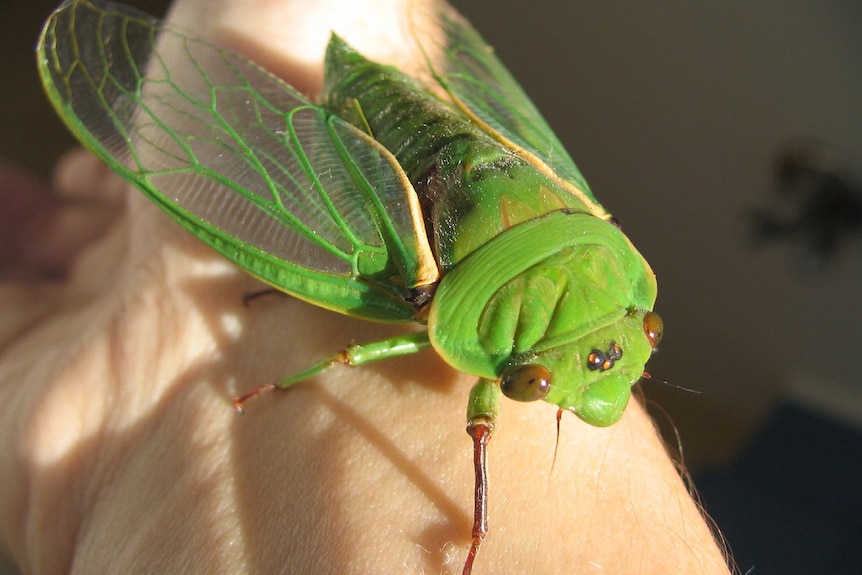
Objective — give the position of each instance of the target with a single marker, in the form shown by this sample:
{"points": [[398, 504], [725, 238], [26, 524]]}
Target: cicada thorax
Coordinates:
{"points": [[531, 275], [557, 291]]}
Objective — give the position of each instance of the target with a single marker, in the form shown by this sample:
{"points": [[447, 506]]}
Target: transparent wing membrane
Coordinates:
{"points": [[237, 156]]}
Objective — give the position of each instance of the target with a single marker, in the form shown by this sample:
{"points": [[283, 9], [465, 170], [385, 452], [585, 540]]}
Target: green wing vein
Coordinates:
{"points": [[245, 162], [467, 69]]}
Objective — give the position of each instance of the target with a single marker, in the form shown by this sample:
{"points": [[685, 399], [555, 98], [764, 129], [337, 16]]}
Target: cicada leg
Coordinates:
{"points": [[482, 410], [352, 355]]}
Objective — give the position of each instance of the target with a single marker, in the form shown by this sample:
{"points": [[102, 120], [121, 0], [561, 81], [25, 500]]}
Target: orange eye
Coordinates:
{"points": [[653, 328], [529, 382]]}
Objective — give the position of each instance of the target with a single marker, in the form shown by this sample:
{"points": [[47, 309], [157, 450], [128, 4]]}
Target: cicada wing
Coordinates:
{"points": [[300, 199], [463, 64]]}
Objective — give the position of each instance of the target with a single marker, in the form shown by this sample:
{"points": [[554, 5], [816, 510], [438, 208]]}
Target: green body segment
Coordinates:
{"points": [[471, 186], [530, 273], [577, 285]]}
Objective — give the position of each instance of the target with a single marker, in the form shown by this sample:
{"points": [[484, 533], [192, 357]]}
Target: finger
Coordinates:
{"points": [[41, 231], [289, 37]]}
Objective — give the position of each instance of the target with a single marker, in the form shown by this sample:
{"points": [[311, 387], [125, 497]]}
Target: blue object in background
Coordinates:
{"points": [[792, 504]]}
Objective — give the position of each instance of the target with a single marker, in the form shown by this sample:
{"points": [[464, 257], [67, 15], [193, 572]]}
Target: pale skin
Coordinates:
{"points": [[122, 453]]}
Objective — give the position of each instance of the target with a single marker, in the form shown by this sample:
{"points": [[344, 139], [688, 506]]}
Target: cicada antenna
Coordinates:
{"points": [[646, 375], [557, 441]]}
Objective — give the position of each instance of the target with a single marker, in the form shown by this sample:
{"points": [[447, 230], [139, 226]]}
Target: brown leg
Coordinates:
{"points": [[481, 434]]}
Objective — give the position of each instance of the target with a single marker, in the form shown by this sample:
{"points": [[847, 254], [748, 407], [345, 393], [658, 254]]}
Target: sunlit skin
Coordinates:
{"points": [[117, 387]]}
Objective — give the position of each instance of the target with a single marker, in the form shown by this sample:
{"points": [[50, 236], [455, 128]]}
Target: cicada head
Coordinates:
{"points": [[592, 373], [558, 308]]}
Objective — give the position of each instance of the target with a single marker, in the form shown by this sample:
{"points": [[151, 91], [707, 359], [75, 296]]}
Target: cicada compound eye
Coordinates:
{"points": [[529, 382], [653, 328]]}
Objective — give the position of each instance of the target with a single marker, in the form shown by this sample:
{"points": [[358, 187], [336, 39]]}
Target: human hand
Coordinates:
{"points": [[123, 455]]}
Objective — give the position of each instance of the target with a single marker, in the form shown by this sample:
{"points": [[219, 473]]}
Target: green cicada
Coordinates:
{"points": [[441, 198]]}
